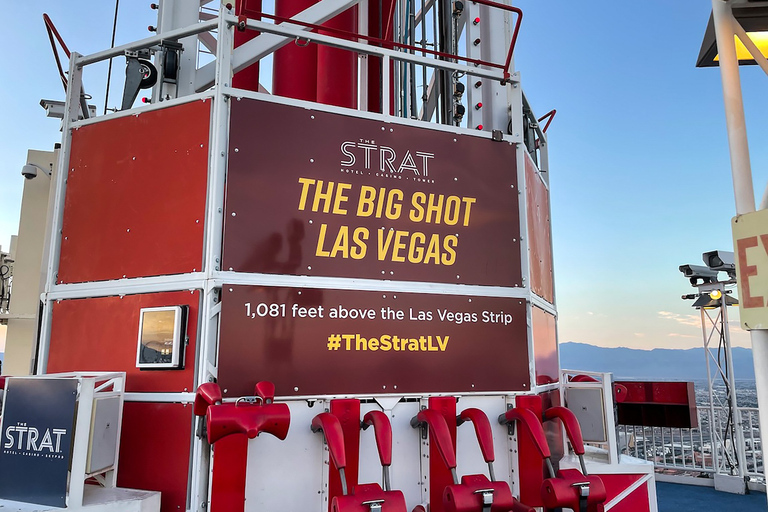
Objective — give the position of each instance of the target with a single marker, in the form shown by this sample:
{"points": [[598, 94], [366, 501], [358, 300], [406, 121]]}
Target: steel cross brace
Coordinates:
{"points": [[259, 47]]}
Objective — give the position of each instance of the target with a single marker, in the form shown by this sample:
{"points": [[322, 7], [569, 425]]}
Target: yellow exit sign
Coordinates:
{"points": [[750, 247]]}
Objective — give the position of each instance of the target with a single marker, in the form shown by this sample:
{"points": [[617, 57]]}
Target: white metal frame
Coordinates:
{"points": [[605, 384]]}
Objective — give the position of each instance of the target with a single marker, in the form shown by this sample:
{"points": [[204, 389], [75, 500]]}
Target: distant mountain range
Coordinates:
{"points": [[656, 364]]}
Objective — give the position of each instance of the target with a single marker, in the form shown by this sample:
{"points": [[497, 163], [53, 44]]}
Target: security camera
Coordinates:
{"points": [[719, 260], [29, 171], [697, 272]]}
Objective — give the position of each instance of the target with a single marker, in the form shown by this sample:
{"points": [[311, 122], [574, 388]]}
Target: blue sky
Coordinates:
{"points": [[640, 173]]}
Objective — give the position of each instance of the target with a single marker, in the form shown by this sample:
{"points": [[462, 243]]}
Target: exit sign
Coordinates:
{"points": [[750, 246]]}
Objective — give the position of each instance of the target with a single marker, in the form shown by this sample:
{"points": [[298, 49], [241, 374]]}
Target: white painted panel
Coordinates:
{"points": [[299, 460]]}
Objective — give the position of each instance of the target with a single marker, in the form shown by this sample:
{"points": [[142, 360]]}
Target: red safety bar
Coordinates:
{"points": [[382, 430], [532, 425], [440, 435], [571, 424], [354, 36], [329, 425]]}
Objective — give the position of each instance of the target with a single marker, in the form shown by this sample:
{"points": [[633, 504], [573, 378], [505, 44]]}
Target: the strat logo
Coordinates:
{"points": [[367, 156], [22, 439]]}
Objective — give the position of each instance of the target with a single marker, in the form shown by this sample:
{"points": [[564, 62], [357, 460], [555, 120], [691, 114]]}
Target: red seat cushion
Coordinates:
{"points": [[464, 497], [394, 501], [560, 492]]}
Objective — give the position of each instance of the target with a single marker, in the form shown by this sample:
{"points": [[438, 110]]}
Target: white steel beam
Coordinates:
{"points": [[148, 42], [494, 73], [263, 45], [725, 28], [751, 47], [171, 15], [734, 107]]}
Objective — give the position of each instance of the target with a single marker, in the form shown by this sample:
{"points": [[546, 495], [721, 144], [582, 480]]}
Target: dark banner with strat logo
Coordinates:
{"points": [[314, 193], [317, 342], [37, 426]]}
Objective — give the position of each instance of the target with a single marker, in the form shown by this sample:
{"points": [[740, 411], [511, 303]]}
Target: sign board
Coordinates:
{"points": [[319, 342], [37, 433], [750, 247], [321, 194]]}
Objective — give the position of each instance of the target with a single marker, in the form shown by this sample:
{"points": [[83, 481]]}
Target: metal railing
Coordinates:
{"points": [[696, 450]]}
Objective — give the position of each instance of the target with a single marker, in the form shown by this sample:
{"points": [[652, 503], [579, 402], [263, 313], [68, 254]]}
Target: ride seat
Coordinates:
{"points": [[474, 493], [363, 497], [568, 488]]}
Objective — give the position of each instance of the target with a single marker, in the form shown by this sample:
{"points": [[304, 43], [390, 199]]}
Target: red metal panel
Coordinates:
{"points": [[539, 232], [100, 334], [319, 204], [440, 475], [337, 67], [247, 78], [154, 451], [545, 347], [658, 404], [295, 64], [638, 500], [135, 200], [230, 462], [310, 341], [678, 393], [348, 412], [615, 484]]}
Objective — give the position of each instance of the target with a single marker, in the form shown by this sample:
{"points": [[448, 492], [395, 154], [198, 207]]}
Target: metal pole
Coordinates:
{"points": [[714, 431], [736, 416], [742, 174]]}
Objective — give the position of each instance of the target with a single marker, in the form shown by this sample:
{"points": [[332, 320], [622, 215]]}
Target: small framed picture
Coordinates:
{"points": [[162, 333]]}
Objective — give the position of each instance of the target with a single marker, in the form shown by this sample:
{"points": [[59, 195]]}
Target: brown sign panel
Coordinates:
{"points": [[318, 342], [314, 193]]}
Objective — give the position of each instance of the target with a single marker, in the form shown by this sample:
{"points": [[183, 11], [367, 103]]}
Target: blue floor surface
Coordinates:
{"points": [[689, 498]]}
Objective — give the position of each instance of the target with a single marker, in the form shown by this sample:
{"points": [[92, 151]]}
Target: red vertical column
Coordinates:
{"points": [[336, 67], [294, 71], [230, 462], [378, 20], [247, 78], [439, 475]]}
